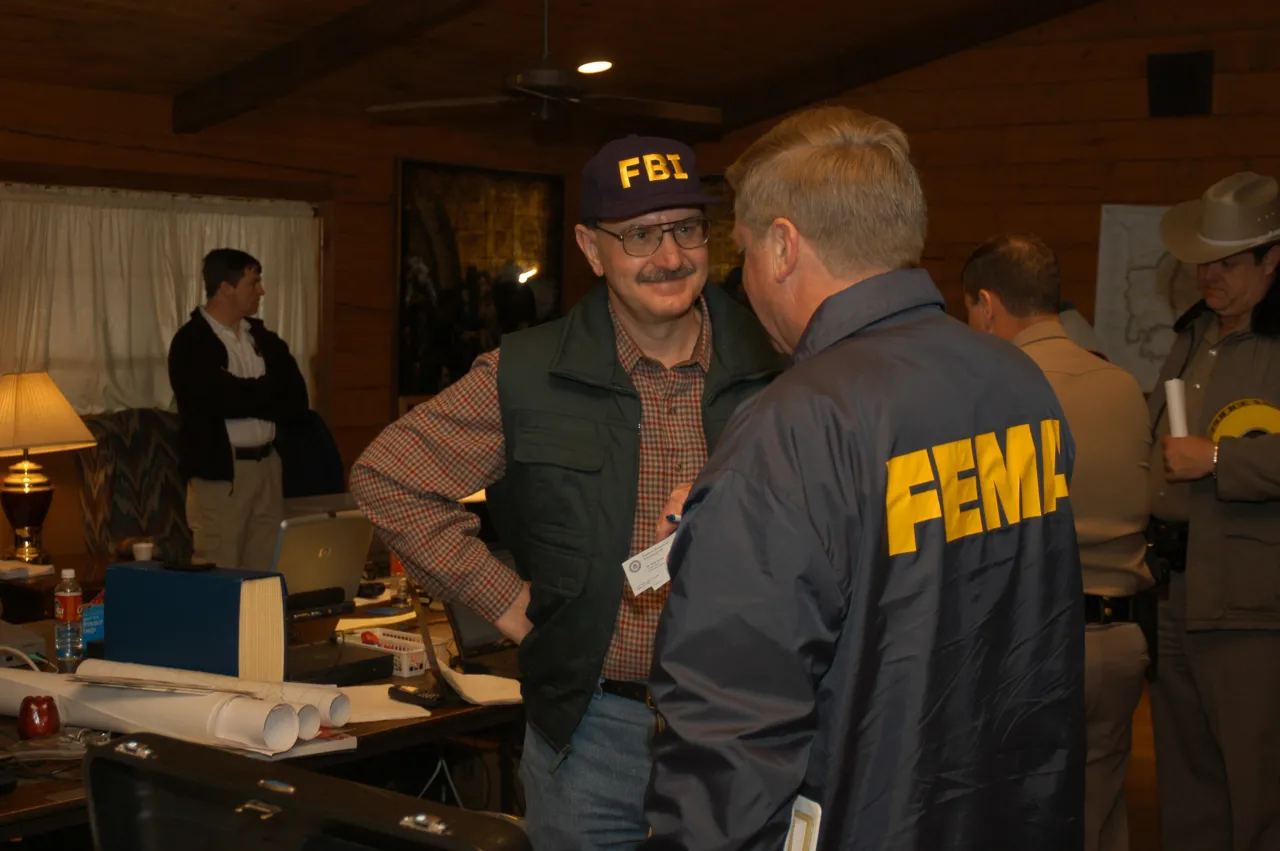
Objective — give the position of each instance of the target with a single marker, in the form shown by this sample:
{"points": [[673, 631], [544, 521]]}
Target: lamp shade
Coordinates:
{"points": [[35, 417]]}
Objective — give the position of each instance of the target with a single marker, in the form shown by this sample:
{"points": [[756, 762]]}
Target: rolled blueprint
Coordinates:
{"points": [[216, 718], [308, 721], [333, 705], [1175, 392]]}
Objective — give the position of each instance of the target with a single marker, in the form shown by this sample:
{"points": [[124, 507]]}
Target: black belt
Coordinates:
{"points": [[1104, 610], [253, 453], [630, 690]]}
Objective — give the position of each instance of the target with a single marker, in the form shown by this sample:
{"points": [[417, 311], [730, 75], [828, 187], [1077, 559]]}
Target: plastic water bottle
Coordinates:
{"points": [[68, 635]]}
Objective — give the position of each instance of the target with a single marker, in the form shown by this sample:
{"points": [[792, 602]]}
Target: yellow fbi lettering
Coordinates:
{"points": [[656, 167], [1005, 487]]}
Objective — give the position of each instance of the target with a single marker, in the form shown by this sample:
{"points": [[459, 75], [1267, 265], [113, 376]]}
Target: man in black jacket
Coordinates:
{"points": [[875, 632], [235, 381]]}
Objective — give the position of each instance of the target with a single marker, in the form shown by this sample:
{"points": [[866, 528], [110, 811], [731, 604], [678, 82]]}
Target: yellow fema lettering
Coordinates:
{"points": [[656, 167], [1007, 481]]}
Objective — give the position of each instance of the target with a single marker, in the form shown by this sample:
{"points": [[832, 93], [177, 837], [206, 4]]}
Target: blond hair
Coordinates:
{"points": [[844, 179]]}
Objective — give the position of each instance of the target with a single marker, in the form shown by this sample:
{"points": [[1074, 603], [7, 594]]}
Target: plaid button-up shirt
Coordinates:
{"points": [[409, 481]]}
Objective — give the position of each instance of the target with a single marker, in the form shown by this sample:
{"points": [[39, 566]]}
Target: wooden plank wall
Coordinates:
{"points": [[1036, 131], [78, 137]]}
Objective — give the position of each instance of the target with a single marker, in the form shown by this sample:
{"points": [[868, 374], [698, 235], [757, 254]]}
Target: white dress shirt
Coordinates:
{"points": [[243, 361]]}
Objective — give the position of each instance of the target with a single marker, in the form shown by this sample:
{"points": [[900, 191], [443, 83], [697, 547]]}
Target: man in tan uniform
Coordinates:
{"points": [[1011, 286], [1215, 507]]}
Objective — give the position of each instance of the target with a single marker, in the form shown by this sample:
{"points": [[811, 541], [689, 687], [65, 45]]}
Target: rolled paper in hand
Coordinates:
{"points": [[1175, 392]]}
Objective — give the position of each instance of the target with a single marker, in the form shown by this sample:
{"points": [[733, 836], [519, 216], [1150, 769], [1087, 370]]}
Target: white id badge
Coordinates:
{"points": [[806, 818], [648, 569]]}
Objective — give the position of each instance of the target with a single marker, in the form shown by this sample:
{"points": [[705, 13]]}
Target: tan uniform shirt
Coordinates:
{"points": [[1172, 500], [1108, 418]]}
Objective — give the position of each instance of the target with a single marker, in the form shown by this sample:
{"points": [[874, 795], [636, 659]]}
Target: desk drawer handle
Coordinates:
{"points": [[264, 810], [277, 786]]}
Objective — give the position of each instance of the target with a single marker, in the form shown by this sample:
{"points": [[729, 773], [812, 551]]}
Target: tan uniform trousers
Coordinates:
{"points": [[1115, 666], [235, 524], [1215, 709]]}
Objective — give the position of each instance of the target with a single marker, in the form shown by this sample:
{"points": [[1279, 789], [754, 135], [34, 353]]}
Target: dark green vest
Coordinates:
{"points": [[571, 421]]}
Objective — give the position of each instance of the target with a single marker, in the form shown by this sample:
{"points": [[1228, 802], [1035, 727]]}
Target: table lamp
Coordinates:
{"points": [[34, 417]]}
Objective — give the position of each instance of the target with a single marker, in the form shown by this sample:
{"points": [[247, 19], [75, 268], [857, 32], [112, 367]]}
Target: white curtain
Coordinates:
{"points": [[94, 283]]}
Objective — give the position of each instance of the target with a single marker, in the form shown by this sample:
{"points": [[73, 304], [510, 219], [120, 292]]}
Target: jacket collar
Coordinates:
{"points": [[588, 350], [255, 324], [864, 304], [1263, 321], [1049, 329]]}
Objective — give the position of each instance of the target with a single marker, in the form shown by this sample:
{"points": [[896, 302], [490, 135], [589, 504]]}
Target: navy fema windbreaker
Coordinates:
{"points": [[877, 600]]}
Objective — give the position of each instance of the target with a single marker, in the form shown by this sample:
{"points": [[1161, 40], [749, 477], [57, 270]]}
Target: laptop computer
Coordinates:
{"points": [[322, 557], [482, 649]]}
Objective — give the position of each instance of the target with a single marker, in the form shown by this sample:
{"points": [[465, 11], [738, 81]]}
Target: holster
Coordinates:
{"points": [[1166, 555]]}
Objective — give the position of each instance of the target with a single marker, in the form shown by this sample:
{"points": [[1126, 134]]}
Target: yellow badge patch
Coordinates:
{"points": [[1245, 417]]}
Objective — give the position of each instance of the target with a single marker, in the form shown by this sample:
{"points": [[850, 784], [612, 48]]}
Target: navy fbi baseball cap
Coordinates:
{"points": [[640, 174]]}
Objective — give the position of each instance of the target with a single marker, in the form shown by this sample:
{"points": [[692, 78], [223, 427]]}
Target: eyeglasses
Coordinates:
{"points": [[645, 240]]}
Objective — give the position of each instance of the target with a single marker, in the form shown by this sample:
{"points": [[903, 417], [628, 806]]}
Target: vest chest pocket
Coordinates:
{"points": [[559, 486]]}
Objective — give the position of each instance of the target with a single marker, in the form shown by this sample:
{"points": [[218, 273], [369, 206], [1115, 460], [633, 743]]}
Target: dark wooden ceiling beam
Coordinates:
{"points": [[919, 45], [325, 48]]}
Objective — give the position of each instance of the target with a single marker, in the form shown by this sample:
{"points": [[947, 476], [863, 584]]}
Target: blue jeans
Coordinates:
{"points": [[595, 798]]}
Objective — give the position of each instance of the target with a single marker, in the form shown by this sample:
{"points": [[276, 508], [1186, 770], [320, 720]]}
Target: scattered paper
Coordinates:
{"points": [[348, 624], [374, 703], [329, 741], [18, 569], [479, 689]]}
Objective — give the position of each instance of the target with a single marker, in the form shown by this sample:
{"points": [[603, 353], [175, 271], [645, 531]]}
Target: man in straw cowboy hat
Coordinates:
{"points": [[1215, 504]]}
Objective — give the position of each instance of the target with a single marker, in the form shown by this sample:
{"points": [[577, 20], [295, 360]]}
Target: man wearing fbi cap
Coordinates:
{"points": [[584, 432]]}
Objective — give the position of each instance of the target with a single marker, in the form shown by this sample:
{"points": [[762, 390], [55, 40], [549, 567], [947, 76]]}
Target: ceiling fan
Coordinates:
{"points": [[550, 89]]}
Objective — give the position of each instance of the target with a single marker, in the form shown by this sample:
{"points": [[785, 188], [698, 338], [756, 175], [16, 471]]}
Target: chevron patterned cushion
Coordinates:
{"points": [[132, 487]]}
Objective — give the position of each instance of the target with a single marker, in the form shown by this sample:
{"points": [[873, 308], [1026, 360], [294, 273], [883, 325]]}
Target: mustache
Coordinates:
{"points": [[658, 276]]}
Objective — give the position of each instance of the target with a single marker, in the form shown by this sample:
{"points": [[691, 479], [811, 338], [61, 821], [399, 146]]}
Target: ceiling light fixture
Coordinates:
{"points": [[596, 67]]}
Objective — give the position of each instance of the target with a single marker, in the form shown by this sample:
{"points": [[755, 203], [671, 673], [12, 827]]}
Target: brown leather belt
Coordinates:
{"points": [[638, 692], [253, 453], [1104, 610]]}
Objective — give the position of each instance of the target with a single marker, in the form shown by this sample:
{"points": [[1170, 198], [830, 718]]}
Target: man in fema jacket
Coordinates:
{"points": [[874, 638]]}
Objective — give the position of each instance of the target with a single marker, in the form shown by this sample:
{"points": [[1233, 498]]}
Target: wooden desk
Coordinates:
{"points": [[39, 806], [42, 805], [27, 600]]}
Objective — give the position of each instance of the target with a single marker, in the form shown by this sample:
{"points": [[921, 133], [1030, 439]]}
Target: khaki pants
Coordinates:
{"points": [[1115, 669], [235, 524], [1215, 710]]}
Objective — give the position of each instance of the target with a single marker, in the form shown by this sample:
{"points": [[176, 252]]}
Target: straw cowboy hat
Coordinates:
{"points": [[1235, 214]]}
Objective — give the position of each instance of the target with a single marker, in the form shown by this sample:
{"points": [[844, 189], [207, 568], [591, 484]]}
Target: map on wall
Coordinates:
{"points": [[1142, 290]]}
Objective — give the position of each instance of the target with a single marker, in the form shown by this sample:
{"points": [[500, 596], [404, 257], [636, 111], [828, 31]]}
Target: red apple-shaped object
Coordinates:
{"points": [[38, 717]]}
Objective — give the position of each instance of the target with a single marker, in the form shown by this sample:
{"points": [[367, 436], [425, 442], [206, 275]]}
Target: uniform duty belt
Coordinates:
{"points": [[1104, 610], [253, 453]]}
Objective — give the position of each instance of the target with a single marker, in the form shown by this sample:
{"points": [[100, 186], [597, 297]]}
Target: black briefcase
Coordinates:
{"points": [[152, 793]]}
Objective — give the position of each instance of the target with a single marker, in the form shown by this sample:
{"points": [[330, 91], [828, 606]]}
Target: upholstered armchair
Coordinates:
{"points": [[131, 485]]}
